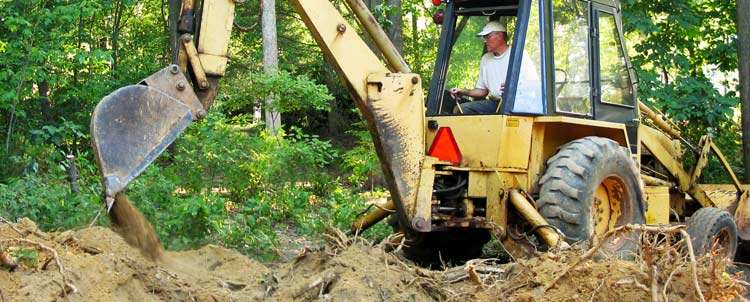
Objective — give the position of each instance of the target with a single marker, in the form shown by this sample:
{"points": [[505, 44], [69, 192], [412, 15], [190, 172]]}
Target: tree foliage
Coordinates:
{"points": [[676, 46]]}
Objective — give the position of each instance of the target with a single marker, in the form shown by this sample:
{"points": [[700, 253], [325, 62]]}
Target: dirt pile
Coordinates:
{"points": [[98, 265]]}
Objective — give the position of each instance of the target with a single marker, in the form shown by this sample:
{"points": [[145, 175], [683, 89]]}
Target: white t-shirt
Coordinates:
{"points": [[493, 71]]}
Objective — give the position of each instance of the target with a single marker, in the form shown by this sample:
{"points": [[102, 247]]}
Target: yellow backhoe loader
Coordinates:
{"points": [[568, 154]]}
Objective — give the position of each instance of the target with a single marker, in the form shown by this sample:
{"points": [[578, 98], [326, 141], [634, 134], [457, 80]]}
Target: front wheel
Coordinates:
{"points": [[590, 187], [712, 227]]}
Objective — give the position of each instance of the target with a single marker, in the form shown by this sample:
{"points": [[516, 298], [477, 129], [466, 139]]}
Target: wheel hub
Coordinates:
{"points": [[608, 203]]}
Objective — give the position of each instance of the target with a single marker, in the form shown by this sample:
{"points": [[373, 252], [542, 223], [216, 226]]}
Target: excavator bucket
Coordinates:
{"points": [[133, 125]]}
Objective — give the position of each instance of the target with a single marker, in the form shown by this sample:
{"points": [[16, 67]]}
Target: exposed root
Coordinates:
{"points": [[319, 284], [6, 260], [67, 287], [12, 226], [693, 265]]}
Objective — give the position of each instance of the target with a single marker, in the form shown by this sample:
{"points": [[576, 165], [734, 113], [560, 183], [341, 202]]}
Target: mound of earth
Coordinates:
{"points": [[96, 264]]}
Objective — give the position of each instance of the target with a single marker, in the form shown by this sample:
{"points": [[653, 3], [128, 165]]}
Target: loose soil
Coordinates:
{"points": [[99, 265]]}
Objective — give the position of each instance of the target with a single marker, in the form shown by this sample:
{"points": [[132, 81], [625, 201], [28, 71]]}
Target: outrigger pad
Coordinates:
{"points": [[130, 128]]}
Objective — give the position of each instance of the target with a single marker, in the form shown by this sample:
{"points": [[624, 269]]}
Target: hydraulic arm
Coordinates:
{"points": [[134, 124]]}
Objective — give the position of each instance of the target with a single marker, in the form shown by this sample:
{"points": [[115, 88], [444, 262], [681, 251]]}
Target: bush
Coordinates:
{"points": [[50, 204]]}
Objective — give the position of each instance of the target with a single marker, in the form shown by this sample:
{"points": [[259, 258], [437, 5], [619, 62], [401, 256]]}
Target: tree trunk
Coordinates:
{"points": [[44, 100], [119, 9], [334, 115], [395, 31], [743, 60], [174, 18], [270, 59], [366, 37], [417, 67]]}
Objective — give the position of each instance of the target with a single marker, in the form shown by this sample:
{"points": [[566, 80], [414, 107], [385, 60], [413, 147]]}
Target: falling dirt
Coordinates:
{"points": [[99, 265], [134, 228]]}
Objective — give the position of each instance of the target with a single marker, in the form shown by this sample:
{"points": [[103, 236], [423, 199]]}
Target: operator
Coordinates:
{"points": [[493, 69]]}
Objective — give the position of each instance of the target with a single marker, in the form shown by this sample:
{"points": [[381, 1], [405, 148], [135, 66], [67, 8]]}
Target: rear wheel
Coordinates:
{"points": [[590, 187], [710, 227]]}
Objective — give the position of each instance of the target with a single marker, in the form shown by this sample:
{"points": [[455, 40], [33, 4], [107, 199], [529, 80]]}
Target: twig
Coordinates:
{"points": [[67, 287], [693, 265], [101, 208], [12, 226]]}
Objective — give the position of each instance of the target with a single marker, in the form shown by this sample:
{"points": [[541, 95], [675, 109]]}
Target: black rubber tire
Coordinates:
{"points": [[708, 223], [570, 183]]}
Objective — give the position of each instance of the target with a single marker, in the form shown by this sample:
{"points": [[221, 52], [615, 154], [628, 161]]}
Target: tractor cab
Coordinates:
{"points": [[580, 67]]}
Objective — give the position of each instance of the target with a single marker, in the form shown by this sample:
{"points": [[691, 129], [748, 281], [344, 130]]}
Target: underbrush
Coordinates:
{"points": [[215, 185]]}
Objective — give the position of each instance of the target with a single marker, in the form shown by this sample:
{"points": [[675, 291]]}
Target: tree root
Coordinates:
{"points": [[320, 283], [67, 286], [6, 261], [12, 226], [475, 269], [693, 264], [642, 228]]}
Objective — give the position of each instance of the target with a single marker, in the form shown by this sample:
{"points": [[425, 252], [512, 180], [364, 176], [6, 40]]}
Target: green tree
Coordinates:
{"points": [[674, 42]]}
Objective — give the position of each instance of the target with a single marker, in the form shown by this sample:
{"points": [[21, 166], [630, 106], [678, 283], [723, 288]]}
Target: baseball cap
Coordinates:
{"points": [[492, 26]]}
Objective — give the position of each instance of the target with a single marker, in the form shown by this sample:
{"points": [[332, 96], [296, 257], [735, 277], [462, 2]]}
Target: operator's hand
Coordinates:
{"points": [[456, 92], [502, 87]]}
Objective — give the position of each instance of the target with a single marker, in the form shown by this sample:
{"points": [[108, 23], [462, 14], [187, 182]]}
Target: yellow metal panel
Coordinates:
{"points": [[657, 200], [497, 200], [493, 141], [346, 51], [725, 196], [478, 184], [214, 65], [478, 137], [537, 159], [216, 27], [515, 142]]}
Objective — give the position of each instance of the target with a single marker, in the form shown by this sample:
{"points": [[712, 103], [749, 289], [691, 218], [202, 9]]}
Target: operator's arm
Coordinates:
{"points": [[476, 93]]}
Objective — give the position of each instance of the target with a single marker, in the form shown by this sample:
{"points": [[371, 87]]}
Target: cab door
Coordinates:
{"points": [[613, 92]]}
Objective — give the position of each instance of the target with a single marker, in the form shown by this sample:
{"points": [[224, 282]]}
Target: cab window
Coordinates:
{"points": [[572, 63]]}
